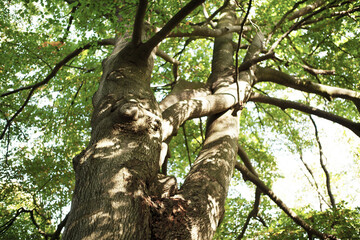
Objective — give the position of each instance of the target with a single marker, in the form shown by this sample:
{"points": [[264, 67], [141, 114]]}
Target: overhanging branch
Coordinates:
{"points": [[284, 104], [329, 92]]}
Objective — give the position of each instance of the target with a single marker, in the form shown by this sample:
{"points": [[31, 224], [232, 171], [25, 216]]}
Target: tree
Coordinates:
{"points": [[168, 65]]}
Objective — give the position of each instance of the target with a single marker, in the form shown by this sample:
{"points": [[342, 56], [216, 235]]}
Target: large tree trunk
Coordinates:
{"points": [[113, 174], [119, 193]]}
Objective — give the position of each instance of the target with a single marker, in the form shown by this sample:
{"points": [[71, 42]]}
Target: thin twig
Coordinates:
{"points": [[186, 144], [252, 214], [52, 74], [61, 64], [278, 24], [226, 2], [239, 105], [296, 25], [266, 190], [327, 175], [8, 123]]}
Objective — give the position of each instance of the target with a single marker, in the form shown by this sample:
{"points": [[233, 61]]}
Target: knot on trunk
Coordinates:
{"points": [[132, 115], [131, 110]]}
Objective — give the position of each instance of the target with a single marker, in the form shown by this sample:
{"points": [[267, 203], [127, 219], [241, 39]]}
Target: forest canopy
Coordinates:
{"points": [[288, 72]]}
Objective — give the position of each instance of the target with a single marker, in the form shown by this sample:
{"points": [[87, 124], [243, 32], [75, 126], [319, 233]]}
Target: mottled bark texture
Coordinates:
{"points": [[197, 209], [113, 174], [119, 193]]}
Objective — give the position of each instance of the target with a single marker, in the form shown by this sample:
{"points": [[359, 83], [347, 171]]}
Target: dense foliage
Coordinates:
{"points": [[45, 125]]}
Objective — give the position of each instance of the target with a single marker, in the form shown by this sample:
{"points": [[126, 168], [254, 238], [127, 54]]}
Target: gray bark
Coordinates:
{"points": [[111, 196]]}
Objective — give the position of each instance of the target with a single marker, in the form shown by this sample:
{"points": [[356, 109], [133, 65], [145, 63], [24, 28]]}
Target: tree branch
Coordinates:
{"points": [[59, 65], [171, 60], [204, 31], [47, 79], [315, 185], [36, 224], [175, 115], [184, 90], [8, 123], [226, 2], [327, 175], [271, 75], [338, 15], [9, 223], [315, 71], [148, 46], [56, 234], [166, 57], [253, 213], [240, 104], [278, 24], [261, 185], [247, 64], [246, 160], [71, 19], [186, 144], [139, 22], [298, 24], [307, 9], [284, 104]]}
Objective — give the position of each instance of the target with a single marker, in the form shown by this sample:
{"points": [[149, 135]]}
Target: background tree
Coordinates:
{"points": [[168, 65]]}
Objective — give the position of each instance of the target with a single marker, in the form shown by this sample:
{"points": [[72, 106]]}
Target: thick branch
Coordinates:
{"points": [[175, 115], [307, 9], [170, 25], [271, 75], [284, 104], [139, 22], [260, 184], [247, 64], [184, 90]]}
